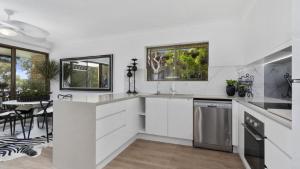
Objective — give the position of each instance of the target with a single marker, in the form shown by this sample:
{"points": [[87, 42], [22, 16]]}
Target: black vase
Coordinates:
{"points": [[230, 90], [242, 92]]}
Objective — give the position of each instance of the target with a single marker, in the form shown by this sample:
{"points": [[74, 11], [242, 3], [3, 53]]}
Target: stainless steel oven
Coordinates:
{"points": [[254, 142]]}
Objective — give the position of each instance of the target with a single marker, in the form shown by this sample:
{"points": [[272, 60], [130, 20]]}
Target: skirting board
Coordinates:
{"points": [[164, 139], [246, 165]]}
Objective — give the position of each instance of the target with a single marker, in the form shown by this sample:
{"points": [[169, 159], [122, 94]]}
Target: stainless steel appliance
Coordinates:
{"points": [[212, 124], [254, 142]]}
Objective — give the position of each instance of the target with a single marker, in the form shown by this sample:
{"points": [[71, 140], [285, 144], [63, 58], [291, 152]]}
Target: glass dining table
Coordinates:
{"points": [[35, 131]]}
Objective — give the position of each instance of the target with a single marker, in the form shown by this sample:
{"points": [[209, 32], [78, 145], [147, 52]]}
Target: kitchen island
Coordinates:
{"points": [[90, 131]]}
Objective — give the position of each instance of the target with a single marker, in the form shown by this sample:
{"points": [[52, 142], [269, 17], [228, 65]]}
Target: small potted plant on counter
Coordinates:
{"points": [[242, 89], [231, 87]]}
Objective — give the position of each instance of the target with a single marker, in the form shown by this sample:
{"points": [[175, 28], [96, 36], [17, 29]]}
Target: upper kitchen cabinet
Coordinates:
{"points": [[263, 33], [296, 19], [296, 59]]}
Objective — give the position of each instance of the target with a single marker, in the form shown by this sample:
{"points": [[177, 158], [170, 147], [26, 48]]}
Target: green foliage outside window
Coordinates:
{"points": [[180, 62]]}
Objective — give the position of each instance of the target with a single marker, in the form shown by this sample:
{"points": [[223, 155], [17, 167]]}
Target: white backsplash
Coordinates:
{"points": [[214, 86], [257, 70]]}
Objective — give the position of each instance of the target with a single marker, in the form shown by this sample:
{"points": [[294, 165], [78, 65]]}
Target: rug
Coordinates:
{"points": [[12, 147]]}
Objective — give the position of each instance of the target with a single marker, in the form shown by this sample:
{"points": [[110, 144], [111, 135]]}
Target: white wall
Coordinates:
{"points": [[225, 54], [267, 27]]}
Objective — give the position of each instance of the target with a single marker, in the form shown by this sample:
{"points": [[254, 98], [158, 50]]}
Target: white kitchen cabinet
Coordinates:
{"points": [[296, 19], [296, 59], [296, 125], [279, 135], [172, 117], [241, 144], [235, 123], [180, 118], [275, 158], [157, 116]]}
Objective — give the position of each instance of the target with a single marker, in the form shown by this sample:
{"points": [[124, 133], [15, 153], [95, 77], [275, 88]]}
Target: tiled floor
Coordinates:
{"points": [[146, 155]]}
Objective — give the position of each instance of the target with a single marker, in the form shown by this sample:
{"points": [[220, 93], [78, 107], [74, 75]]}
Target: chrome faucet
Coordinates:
{"points": [[157, 88], [172, 89]]}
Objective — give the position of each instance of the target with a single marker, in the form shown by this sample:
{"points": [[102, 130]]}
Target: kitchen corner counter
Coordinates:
{"points": [[267, 113]]}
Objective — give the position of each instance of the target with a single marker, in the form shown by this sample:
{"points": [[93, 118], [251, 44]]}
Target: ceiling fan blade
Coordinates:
{"points": [[29, 30], [8, 25]]}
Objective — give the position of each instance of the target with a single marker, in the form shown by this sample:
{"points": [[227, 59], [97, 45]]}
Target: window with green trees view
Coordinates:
{"points": [[18, 68], [186, 62]]}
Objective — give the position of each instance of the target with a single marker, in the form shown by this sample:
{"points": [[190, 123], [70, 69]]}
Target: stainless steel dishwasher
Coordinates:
{"points": [[212, 124]]}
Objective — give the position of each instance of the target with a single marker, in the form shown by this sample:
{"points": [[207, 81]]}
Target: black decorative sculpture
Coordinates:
{"points": [[129, 75], [245, 83], [134, 69]]}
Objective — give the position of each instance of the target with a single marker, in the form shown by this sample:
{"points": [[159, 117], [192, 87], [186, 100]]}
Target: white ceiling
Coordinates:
{"points": [[77, 19]]}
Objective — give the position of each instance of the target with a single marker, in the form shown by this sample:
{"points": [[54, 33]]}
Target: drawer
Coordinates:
{"points": [[279, 135], [108, 109], [275, 158], [109, 124], [110, 143]]}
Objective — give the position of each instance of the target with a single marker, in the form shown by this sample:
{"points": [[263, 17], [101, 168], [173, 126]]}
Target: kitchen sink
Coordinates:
{"points": [[172, 95]]}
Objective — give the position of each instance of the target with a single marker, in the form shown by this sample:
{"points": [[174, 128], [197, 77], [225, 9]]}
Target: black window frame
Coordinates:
{"points": [[13, 92]]}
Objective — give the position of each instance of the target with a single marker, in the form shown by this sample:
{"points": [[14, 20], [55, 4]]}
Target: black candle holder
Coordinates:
{"points": [[134, 69], [129, 75]]}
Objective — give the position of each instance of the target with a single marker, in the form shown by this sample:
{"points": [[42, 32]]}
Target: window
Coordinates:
{"points": [[5, 71], [184, 62], [17, 68]]}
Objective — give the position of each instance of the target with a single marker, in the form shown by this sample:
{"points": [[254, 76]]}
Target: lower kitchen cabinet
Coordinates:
{"points": [[241, 143], [157, 116], [170, 117], [180, 118], [235, 123], [275, 158]]}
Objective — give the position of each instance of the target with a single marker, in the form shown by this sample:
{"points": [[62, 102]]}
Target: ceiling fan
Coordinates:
{"points": [[13, 28]]}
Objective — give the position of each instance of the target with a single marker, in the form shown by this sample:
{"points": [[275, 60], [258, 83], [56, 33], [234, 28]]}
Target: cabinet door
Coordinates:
{"points": [[296, 19], [241, 131], [180, 118], [274, 158], [296, 125], [156, 116], [235, 123], [296, 59]]}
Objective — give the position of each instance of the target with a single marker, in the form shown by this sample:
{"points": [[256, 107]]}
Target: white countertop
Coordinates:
{"points": [[281, 116]]}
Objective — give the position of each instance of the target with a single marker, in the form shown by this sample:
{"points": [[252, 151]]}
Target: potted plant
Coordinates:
{"points": [[33, 91], [49, 70], [242, 89], [231, 87]]}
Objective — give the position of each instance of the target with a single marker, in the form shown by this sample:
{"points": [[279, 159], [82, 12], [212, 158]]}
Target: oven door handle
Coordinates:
{"points": [[256, 137]]}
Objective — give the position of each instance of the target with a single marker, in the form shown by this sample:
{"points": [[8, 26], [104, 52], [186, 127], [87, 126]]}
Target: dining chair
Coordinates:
{"points": [[21, 113], [46, 112], [6, 116]]}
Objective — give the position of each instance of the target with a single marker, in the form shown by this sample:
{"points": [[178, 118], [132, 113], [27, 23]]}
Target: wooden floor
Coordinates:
{"points": [[146, 155], [153, 155]]}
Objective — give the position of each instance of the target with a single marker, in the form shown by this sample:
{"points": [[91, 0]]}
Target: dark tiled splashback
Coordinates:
{"points": [[275, 85]]}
